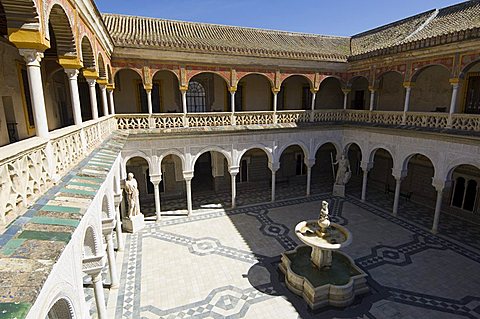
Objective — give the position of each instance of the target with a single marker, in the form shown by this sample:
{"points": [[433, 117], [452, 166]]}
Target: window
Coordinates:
{"points": [[196, 98], [300, 168], [465, 194], [472, 98], [27, 100]]}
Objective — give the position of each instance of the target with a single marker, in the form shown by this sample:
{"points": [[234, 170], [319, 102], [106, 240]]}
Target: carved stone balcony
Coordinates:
{"points": [[108, 225], [93, 265]]}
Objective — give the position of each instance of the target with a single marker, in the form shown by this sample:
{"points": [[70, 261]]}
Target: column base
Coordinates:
{"points": [[134, 223], [339, 190]]}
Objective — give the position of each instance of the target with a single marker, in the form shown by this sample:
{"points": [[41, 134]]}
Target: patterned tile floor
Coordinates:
{"points": [[221, 263]]}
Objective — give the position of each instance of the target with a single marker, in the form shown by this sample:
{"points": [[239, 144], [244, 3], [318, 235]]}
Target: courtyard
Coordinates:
{"points": [[222, 263]]}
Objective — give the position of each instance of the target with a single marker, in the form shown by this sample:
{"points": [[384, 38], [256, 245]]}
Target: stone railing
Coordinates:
{"points": [[431, 120], [29, 167]]}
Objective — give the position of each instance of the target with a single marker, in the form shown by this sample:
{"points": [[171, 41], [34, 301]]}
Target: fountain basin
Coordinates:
{"points": [[336, 286]]}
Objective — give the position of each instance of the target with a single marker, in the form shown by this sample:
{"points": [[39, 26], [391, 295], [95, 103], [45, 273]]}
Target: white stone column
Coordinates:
{"points": [[103, 90], [184, 106], [312, 106], [149, 101], [274, 168], [399, 176], [366, 167], [99, 296], [112, 265], [72, 75], [111, 100], [232, 104], [372, 98], [453, 102], [233, 176], [439, 187], [408, 90], [32, 59], [156, 179], [93, 97], [309, 163], [118, 223], [275, 95], [345, 97], [188, 176]]}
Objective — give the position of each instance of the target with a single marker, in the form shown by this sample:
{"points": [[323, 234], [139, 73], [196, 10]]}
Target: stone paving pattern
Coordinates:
{"points": [[221, 263]]}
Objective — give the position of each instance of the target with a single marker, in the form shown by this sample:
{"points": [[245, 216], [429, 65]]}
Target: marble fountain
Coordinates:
{"points": [[318, 271]]}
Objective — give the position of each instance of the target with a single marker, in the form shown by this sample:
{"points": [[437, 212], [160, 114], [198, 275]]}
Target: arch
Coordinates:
{"points": [[374, 151], [338, 149], [330, 94], [109, 74], [279, 152], [356, 78], [88, 57], [166, 70], [107, 206], [298, 75], [118, 70], [102, 70], [138, 154], [342, 83], [350, 144], [62, 29], [456, 163], [262, 147], [90, 243], [417, 73], [391, 93], [175, 153], [256, 73], [468, 67], [20, 12], [408, 157], [380, 75], [213, 149], [62, 308], [227, 81]]}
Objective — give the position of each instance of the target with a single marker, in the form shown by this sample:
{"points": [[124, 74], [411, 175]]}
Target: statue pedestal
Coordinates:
{"points": [[339, 190], [134, 223]]}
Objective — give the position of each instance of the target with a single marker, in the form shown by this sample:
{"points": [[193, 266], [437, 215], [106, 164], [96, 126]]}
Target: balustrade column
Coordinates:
{"points": [[118, 223], [366, 168], [72, 75], [112, 265], [103, 90], [233, 176], [188, 176], [275, 95], [408, 90], [372, 98], [184, 106], [111, 100], [345, 97], [93, 97], [155, 180], [32, 59], [312, 107], [99, 296]]}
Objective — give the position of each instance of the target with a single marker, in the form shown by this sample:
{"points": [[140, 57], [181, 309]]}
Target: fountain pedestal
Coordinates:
{"points": [[320, 273]]}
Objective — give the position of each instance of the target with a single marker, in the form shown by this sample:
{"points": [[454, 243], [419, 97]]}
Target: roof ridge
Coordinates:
{"points": [[270, 31]]}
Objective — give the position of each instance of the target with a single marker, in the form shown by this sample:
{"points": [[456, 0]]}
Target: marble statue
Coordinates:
{"points": [[343, 171], [131, 187], [323, 220]]}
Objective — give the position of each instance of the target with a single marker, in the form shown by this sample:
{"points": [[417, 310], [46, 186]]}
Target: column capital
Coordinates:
{"points": [[117, 199], [103, 87], [91, 82], [102, 81], [90, 74], [155, 179], [454, 81], [70, 62], [399, 174], [234, 170], [72, 74], [346, 91], [309, 162], [183, 89], [275, 90], [366, 166], [313, 91], [31, 56], [372, 89], [232, 89], [110, 87], [439, 184], [188, 175], [408, 85], [274, 166]]}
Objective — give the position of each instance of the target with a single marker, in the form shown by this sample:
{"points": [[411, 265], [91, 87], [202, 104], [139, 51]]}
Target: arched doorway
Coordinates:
{"points": [[291, 178], [323, 172], [166, 97], [254, 93], [359, 96], [390, 92], [254, 177], [130, 96], [471, 89], [463, 198], [432, 91], [354, 155], [294, 94]]}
